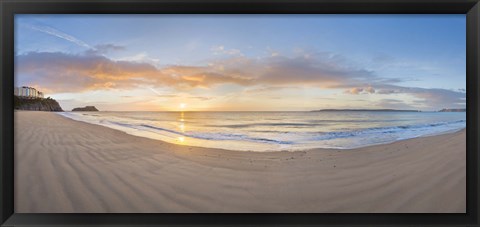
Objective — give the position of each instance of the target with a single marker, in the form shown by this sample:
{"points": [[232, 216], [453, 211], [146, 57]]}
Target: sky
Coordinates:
{"points": [[244, 62]]}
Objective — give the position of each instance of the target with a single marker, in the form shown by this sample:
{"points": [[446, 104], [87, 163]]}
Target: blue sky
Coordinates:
{"points": [[209, 62]]}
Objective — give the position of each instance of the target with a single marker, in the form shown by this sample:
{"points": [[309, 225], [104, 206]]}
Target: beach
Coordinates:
{"points": [[65, 166]]}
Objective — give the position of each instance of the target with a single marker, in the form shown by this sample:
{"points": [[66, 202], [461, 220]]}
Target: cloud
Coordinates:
{"points": [[59, 34], [354, 91], [140, 57], [394, 104], [370, 90], [63, 72], [93, 71], [387, 91], [179, 95], [201, 98], [60, 72], [221, 50], [217, 49], [274, 54], [360, 90], [432, 97], [97, 49], [104, 49], [266, 89], [439, 97]]}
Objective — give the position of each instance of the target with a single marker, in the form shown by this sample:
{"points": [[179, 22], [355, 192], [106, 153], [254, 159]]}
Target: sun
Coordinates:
{"points": [[183, 105]]}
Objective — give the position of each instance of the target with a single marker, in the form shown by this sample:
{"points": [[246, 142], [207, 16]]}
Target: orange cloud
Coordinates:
{"points": [[63, 72], [360, 90]]}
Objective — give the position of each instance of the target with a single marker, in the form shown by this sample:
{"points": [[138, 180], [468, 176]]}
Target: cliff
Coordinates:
{"points": [[87, 108], [36, 104]]}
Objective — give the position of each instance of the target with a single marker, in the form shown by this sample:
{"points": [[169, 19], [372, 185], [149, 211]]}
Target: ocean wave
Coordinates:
{"points": [[390, 130], [265, 124], [300, 136], [308, 123], [200, 135], [354, 121], [279, 134]]}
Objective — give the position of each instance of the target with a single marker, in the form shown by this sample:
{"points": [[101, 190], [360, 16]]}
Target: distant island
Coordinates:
{"points": [[453, 110], [376, 110], [87, 108]]}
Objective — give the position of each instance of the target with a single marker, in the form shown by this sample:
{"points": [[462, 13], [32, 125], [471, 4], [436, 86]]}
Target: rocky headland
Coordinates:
{"points": [[36, 104]]}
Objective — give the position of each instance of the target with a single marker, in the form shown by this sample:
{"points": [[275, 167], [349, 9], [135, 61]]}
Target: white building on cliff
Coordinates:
{"points": [[28, 92]]}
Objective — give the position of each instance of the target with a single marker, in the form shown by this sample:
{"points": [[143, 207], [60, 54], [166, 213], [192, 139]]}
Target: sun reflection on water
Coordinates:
{"points": [[181, 139], [181, 125]]}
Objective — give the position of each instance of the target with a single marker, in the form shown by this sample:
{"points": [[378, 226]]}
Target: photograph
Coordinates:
{"points": [[240, 113]]}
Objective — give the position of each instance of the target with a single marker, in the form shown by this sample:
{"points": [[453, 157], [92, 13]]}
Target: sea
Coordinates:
{"points": [[277, 131]]}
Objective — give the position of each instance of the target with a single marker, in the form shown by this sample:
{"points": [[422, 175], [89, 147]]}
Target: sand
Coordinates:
{"points": [[64, 166]]}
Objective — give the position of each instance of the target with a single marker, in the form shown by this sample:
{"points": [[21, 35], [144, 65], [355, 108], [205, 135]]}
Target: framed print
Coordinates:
{"points": [[239, 113]]}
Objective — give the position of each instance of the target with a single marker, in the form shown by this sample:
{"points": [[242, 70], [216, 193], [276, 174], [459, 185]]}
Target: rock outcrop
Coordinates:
{"points": [[87, 108], [36, 104]]}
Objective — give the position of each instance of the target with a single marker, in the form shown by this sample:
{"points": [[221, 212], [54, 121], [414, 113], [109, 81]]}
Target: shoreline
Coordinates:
{"points": [[279, 150], [72, 166]]}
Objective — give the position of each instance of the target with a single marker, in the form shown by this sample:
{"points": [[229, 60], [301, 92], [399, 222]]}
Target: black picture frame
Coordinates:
{"points": [[9, 8]]}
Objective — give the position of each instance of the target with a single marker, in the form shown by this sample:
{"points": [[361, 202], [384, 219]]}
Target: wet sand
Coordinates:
{"points": [[64, 166]]}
